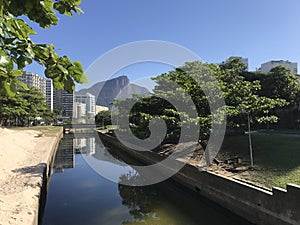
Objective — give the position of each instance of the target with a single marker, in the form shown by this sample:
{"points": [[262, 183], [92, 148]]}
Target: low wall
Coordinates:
{"points": [[260, 206], [49, 160]]}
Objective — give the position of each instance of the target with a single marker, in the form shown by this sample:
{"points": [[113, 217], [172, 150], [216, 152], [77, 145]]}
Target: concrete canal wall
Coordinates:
{"points": [[260, 206], [47, 166]]}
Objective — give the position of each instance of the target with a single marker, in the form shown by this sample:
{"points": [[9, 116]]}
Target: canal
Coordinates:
{"points": [[77, 195]]}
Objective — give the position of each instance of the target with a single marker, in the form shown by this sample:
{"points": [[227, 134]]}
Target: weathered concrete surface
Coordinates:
{"points": [[258, 205], [24, 164]]}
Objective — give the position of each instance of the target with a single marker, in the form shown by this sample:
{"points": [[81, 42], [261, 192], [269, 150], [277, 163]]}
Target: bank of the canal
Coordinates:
{"points": [[25, 158], [257, 205]]}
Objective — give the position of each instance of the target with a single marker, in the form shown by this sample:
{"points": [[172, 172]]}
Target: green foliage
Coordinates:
{"points": [[103, 118], [278, 83], [242, 95], [24, 107], [18, 50], [194, 79], [234, 66]]}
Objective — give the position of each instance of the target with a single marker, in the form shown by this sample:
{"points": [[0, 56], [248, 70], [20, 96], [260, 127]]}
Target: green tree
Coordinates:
{"points": [[12, 110], [36, 106], [23, 108], [284, 84], [103, 118], [47, 115], [240, 96], [278, 83], [18, 50], [234, 66]]}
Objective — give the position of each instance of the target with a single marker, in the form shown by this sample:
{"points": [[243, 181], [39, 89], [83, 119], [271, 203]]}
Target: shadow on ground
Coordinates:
{"points": [[33, 170]]}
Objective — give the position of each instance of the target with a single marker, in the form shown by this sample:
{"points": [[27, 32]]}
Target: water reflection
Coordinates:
{"points": [[168, 203], [85, 146], [140, 202], [69, 146], [79, 196]]}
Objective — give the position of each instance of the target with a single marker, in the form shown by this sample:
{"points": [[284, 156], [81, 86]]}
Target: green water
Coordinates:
{"points": [[78, 195]]}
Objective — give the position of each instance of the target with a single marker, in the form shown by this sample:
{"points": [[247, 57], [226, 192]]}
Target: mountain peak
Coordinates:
{"points": [[119, 87]]}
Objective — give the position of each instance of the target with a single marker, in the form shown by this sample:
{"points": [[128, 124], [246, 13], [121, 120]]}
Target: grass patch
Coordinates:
{"points": [[49, 131], [276, 157], [283, 131], [108, 127], [269, 178]]}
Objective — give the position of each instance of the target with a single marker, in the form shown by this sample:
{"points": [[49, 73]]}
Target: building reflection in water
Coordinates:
{"points": [[69, 146], [64, 158], [85, 146]]}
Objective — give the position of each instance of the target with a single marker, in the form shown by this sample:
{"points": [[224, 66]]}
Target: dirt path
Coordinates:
{"points": [[23, 157]]}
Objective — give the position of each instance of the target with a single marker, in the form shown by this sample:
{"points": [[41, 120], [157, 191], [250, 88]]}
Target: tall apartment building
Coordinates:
{"points": [[90, 104], [49, 94], [79, 110], [266, 67], [244, 60], [34, 80], [43, 85], [64, 102]]}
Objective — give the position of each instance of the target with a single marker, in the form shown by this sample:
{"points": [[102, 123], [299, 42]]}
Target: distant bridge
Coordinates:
{"points": [[84, 128], [81, 135]]}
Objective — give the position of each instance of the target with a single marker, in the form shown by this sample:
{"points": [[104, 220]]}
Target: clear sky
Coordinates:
{"points": [[260, 30]]}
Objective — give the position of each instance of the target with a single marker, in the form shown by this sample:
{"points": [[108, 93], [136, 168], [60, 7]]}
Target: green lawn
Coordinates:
{"points": [[108, 127], [276, 157], [283, 131], [49, 131]]}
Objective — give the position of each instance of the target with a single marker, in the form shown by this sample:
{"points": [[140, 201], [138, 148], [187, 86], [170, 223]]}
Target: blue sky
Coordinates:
{"points": [[261, 30]]}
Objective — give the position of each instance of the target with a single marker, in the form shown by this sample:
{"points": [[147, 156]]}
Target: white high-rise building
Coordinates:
{"points": [[49, 94], [79, 110], [34, 80], [90, 102], [266, 67]]}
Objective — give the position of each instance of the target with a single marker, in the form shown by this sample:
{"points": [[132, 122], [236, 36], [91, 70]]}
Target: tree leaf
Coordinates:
{"points": [[84, 79], [8, 90], [23, 61], [69, 85], [21, 84], [3, 61], [19, 50], [17, 73], [62, 69]]}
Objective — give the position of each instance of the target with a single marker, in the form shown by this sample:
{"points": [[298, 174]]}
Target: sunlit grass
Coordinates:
{"points": [[108, 127], [276, 157], [49, 131], [269, 178]]}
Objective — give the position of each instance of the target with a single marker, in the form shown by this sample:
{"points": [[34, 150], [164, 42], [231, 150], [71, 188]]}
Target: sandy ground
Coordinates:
{"points": [[23, 156]]}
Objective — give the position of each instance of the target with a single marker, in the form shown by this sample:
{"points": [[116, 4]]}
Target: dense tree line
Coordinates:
{"points": [[103, 118], [261, 95], [278, 83], [24, 108]]}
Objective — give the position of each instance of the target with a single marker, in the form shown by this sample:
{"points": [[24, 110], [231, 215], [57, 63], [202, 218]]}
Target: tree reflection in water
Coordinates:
{"points": [[169, 204], [141, 202]]}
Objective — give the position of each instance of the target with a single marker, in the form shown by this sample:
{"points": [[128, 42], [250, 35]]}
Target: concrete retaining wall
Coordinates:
{"points": [[260, 206], [47, 165]]}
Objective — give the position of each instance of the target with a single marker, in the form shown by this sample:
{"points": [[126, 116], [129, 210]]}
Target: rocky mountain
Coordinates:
{"points": [[107, 91]]}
